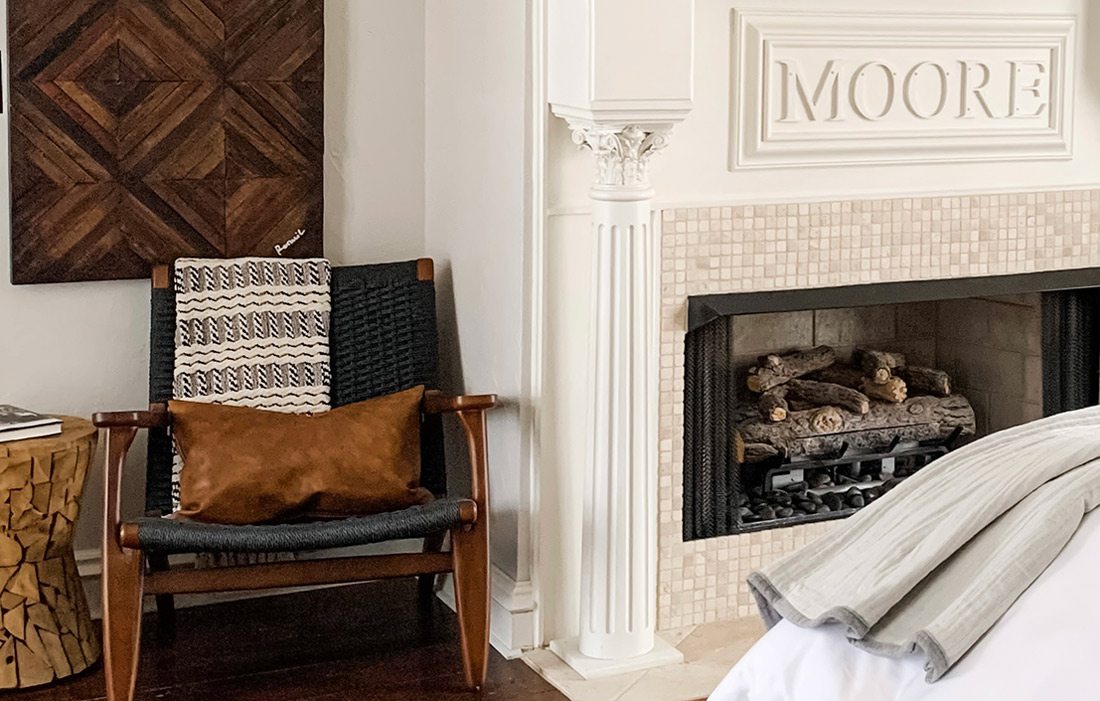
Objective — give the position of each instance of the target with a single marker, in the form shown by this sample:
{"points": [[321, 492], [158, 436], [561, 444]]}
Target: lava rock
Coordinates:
{"points": [[781, 498], [890, 484], [833, 501], [823, 509], [742, 499], [872, 493], [816, 498], [757, 492], [744, 512], [818, 479], [795, 488], [866, 478], [855, 501], [765, 513], [784, 512]]}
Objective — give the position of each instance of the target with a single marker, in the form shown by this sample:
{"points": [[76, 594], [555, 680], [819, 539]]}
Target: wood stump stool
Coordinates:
{"points": [[45, 630]]}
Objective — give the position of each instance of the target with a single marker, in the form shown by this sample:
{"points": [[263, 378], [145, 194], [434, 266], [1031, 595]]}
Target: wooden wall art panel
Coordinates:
{"points": [[146, 130]]}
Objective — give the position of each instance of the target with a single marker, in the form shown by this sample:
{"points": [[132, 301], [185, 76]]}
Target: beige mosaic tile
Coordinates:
{"points": [[793, 246]]}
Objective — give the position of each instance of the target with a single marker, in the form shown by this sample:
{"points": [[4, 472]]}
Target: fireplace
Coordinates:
{"points": [[804, 406]]}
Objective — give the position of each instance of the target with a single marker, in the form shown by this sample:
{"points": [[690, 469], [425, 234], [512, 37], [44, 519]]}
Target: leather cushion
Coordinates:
{"points": [[247, 466]]}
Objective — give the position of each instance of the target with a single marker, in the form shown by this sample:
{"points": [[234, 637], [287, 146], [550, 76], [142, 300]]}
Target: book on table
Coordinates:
{"points": [[20, 424]]}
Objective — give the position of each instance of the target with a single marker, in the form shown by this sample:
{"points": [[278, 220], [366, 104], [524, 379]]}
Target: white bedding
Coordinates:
{"points": [[1045, 647]]}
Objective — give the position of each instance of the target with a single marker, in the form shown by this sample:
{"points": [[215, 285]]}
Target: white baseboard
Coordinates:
{"points": [[511, 616]]}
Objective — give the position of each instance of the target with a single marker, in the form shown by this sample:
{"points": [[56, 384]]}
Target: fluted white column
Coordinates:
{"points": [[619, 566]]}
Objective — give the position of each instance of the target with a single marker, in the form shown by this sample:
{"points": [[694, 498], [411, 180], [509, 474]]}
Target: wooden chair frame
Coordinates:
{"points": [[126, 579]]}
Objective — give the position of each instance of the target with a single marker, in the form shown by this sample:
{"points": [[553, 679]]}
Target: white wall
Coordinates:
{"points": [[83, 347], [694, 170], [476, 141], [374, 130]]}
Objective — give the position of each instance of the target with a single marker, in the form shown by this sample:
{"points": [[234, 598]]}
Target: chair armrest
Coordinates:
{"points": [[439, 403], [121, 428], [470, 410], [132, 419]]}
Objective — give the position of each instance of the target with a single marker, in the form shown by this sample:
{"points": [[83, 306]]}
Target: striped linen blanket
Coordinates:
{"points": [[252, 332], [930, 567]]}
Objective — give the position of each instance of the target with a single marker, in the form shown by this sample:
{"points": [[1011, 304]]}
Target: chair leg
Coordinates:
{"points": [[166, 603], [471, 581], [426, 582], [123, 577]]}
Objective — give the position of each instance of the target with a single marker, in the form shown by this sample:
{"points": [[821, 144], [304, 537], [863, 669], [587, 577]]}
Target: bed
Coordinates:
{"points": [[1044, 647]]}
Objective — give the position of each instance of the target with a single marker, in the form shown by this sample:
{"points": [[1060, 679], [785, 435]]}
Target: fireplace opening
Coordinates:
{"points": [[804, 406]]}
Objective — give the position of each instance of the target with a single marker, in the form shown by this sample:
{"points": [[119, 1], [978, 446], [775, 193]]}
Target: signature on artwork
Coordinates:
{"points": [[280, 249]]}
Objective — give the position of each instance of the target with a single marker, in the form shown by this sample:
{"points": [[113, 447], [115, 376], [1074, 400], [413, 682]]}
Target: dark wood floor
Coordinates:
{"points": [[366, 642]]}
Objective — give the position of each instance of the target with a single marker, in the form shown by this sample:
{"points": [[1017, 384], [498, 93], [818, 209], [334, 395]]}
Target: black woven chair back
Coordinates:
{"points": [[383, 339]]}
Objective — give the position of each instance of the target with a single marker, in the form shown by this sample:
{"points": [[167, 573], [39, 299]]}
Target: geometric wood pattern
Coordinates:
{"points": [[45, 630], [147, 130]]}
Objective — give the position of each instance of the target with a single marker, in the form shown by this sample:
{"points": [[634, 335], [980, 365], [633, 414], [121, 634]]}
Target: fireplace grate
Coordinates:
{"points": [[853, 479]]}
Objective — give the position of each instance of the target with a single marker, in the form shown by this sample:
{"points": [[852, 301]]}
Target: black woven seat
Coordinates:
{"points": [[169, 536]]}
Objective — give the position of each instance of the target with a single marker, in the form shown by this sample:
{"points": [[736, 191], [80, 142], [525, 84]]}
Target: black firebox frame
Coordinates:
{"points": [[1071, 365]]}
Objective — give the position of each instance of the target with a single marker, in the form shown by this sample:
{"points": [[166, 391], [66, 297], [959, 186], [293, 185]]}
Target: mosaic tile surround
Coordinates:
{"points": [[751, 248]]}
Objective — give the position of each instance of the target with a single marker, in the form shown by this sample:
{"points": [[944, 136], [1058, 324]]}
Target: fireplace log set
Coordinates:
{"points": [[810, 409], [809, 403]]}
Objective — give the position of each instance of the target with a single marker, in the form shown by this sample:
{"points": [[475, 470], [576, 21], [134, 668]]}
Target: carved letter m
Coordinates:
{"points": [[792, 79]]}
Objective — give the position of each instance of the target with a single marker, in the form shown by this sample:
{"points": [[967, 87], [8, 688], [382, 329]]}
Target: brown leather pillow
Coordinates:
{"points": [[243, 465]]}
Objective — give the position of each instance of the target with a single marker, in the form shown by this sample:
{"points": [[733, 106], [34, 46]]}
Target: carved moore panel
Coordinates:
{"points": [[845, 88]]}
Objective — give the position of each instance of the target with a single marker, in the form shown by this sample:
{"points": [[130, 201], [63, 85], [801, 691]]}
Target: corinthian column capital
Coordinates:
{"points": [[622, 156]]}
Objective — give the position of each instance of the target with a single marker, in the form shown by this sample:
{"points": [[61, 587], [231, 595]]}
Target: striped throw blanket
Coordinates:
{"points": [[252, 332], [931, 566]]}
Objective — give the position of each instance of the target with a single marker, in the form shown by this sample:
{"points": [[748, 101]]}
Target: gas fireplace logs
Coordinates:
{"points": [[926, 380], [893, 389], [822, 431], [773, 404], [775, 370], [878, 366], [829, 394], [809, 404]]}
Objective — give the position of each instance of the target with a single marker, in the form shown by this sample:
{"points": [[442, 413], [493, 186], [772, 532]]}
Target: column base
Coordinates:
{"points": [[591, 668]]}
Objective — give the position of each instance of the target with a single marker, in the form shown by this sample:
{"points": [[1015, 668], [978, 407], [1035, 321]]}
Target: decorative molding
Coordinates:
{"points": [[807, 197], [649, 111], [528, 544], [839, 88], [622, 154]]}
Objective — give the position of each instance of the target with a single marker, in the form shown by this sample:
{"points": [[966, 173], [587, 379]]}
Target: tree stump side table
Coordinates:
{"points": [[46, 632]]}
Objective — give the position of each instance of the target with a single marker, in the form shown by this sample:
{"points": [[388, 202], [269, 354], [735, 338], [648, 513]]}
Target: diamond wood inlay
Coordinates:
{"points": [[146, 130]]}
